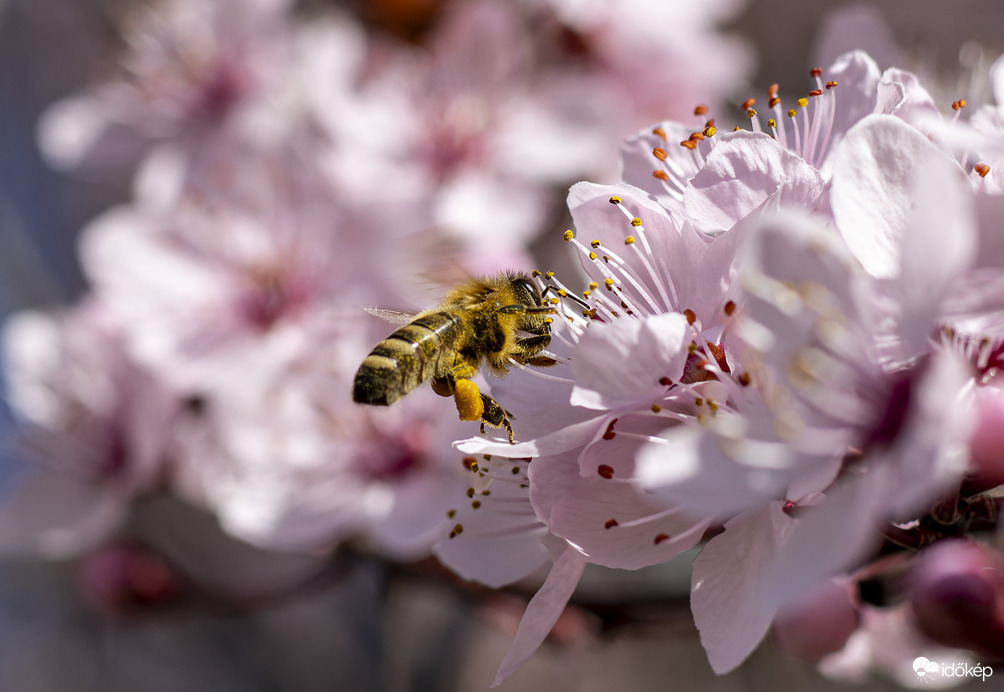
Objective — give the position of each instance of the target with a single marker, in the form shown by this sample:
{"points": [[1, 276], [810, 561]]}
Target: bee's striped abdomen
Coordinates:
{"points": [[404, 360]]}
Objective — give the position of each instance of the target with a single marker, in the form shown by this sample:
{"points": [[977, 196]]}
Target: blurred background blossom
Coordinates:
{"points": [[198, 200]]}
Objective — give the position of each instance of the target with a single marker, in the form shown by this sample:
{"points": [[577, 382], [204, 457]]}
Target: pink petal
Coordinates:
{"points": [[741, 173], [874, 193], [616, 364], [542, 612], [730, 575]]}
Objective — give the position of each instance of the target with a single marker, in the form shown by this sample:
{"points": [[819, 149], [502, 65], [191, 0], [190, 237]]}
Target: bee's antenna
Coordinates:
{"points": [[562, 293]]}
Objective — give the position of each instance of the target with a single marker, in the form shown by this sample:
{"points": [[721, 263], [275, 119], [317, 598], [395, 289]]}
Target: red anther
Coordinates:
{"points": [[718, 351], [660, 153], [605, 471], [690, 315], [687, 143], [709, 123], [660, 538], [982, 169], [772, 91], [774, 100], [816, 92], [831, 84], [661, 175], [816, 72], [696, 136], [610, 524], [747, 104], [609, 434], [660, 133], [701, 110]]}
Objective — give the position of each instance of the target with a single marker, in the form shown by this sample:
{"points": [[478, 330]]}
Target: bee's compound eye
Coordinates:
{"points": [[529, 293]]}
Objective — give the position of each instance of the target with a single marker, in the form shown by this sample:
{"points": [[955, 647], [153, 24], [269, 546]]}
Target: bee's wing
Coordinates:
{"points": [[392, 316]]}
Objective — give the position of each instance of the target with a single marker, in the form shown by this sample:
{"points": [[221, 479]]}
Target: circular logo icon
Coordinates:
{"points": [[923, 667]]}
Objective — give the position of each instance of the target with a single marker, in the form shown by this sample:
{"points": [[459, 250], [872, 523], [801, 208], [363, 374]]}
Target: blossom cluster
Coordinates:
{"points": [[788, 353]]}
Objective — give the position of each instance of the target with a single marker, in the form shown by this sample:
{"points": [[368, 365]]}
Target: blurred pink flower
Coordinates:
{"points": [[636, 61], [190, 71], [97, 426]]}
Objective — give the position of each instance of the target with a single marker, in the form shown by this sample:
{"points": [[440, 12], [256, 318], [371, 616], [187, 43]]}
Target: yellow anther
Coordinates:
{"points": [[592, 255], [594, 243], [615, 200], [629, 240], [608, 284], [549, 275], [636, 221], [803, 102], [568, 235], [751, 113]]}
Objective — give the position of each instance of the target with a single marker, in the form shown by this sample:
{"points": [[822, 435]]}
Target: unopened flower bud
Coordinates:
{"points": [[957, 595], [819, 623], [986, 444]]}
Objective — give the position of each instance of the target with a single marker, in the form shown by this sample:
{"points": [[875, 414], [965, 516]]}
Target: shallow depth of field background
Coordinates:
{"points": [[372, 628]]}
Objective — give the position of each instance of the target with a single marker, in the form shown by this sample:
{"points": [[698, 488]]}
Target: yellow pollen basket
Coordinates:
{"points": [[468, 399]]}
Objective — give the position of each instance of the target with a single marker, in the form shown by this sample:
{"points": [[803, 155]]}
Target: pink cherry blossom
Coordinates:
{"points": [[678, 430], [190, 70], [96, 424]]}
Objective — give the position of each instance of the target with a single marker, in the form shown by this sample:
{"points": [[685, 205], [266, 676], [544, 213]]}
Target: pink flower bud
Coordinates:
{"points": [[957, 596], [817, 624], [986, 444]]}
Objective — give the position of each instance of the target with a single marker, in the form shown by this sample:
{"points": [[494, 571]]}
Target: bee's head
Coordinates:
{"points": [[526, 291]]}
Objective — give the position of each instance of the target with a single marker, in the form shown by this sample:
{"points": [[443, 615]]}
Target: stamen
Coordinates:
{"points": [[669, 298]]}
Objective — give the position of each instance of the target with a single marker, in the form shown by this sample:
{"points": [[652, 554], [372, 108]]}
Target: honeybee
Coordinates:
{"points": [[485, 322]]}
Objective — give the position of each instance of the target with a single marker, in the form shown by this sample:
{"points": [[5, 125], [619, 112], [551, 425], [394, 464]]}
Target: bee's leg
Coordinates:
{"points": [[495, 416], [530, 345]]}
